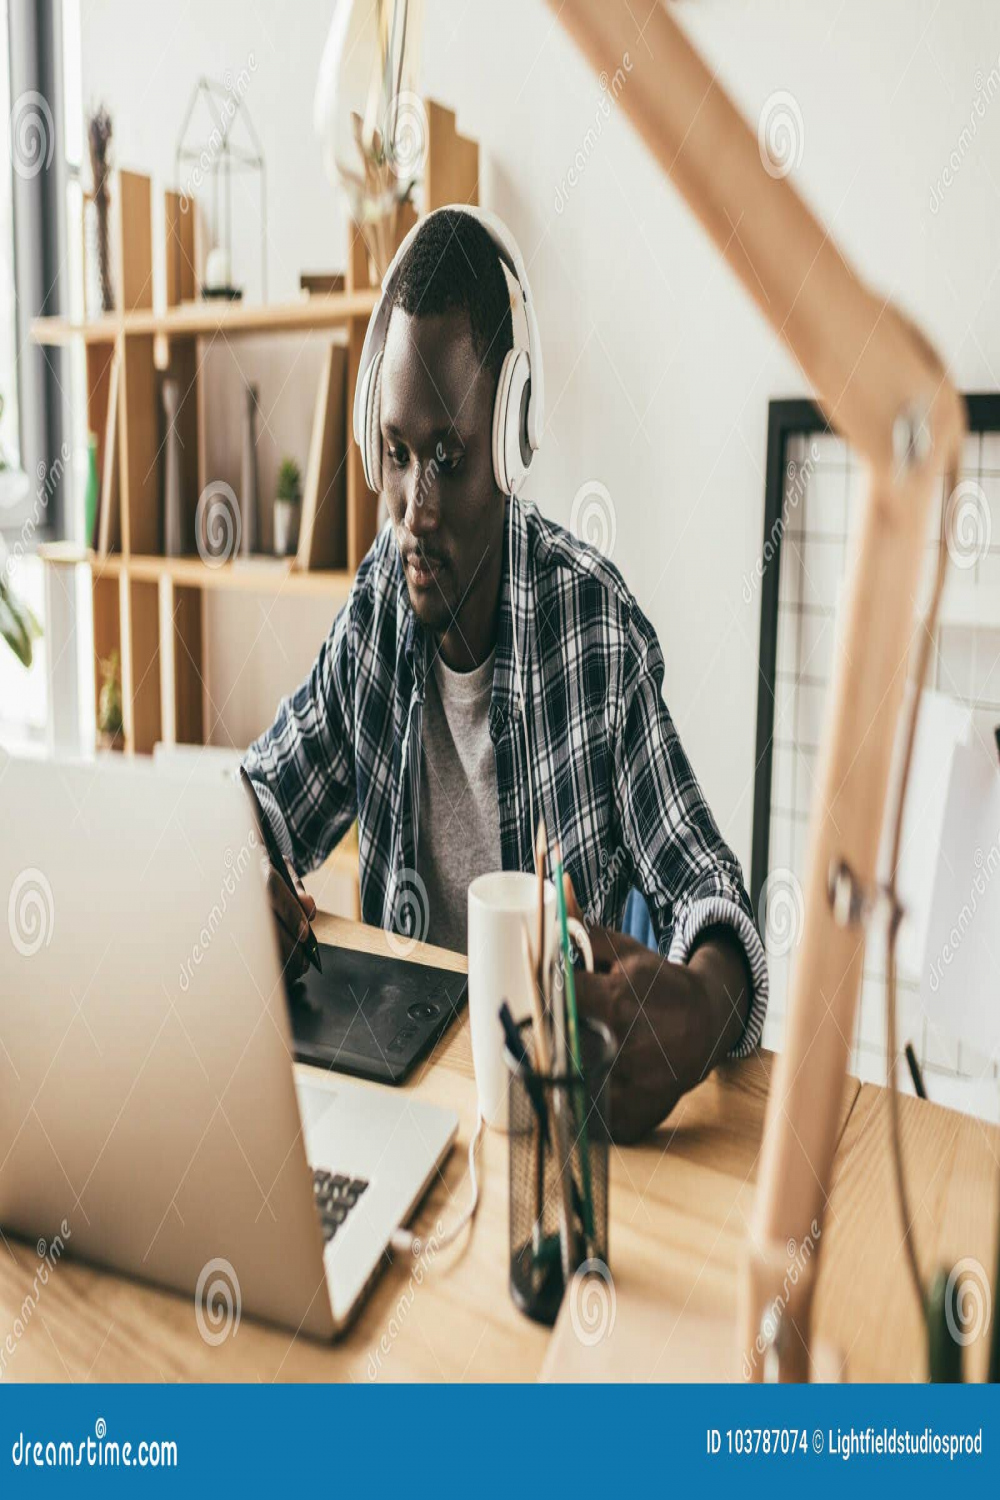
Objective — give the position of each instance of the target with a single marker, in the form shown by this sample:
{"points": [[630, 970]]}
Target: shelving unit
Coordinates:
{"points": [[151, 608], [210, 319]]}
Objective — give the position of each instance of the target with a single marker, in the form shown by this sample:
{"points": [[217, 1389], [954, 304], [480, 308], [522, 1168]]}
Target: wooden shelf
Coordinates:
{"points": [[152, 611], [208, 319], [252, 575], [63, 330]]}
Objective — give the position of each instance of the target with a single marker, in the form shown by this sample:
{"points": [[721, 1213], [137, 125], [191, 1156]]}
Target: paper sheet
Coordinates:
{"points": [[943, 724], [960, 983]]}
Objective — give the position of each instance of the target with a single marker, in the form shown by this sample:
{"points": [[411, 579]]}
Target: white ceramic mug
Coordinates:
{"points": [[499, 905]]}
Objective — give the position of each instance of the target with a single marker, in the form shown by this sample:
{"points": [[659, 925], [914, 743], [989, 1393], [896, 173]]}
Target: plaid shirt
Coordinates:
{"points": [[608, 770]]}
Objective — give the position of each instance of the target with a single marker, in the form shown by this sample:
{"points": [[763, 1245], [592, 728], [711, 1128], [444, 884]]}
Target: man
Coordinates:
{"points": [[411, 719]]}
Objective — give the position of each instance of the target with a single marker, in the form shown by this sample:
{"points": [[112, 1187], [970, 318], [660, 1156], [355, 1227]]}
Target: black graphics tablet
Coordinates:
{"points": [[371, 1016]]}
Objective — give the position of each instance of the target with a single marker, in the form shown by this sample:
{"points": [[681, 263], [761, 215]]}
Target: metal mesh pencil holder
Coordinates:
{"points": [[559, 1135]]}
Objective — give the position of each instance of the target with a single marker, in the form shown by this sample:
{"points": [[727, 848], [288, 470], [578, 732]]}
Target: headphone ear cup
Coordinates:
{"points": [[371, 448], [511, 454]]}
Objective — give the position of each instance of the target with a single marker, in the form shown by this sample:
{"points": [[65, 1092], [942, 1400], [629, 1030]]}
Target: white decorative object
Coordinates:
{"points": [[217, 269], [287, 514], [173, 511]]}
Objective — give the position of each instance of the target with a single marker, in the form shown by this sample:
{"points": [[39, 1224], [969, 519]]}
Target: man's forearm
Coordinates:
{"points": [[672, 1021], [718, 961]]}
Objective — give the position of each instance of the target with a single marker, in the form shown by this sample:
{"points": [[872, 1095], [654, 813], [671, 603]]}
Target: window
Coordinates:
{"points": [[9, 445], [37, 494]]}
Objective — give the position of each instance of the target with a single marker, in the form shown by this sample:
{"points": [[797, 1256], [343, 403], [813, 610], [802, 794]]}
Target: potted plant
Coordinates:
{"points": [[19, 625], [287, 508], [110, 724]]}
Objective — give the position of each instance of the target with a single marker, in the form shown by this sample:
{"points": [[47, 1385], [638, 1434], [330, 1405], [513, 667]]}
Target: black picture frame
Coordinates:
{"points": [[787, 419]]}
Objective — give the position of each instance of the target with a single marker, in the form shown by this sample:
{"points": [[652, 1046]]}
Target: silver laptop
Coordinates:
{"points": [[150, 1111]]}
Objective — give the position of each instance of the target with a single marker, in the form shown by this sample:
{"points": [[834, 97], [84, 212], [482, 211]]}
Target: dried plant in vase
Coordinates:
{"points": [[99, 140], [370, 119]]}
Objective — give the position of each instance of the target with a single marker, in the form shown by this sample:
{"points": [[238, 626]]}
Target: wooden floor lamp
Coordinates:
{"points": [[884, 389]]}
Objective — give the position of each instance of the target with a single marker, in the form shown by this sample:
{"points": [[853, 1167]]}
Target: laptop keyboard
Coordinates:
{"points": [[335, 1196]]}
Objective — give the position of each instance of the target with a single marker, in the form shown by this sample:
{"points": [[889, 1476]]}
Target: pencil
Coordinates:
{"points": [[542, 1050], [542, 1065], [573, 1037], [993, 1373], [541, 850], [564, 1144]]}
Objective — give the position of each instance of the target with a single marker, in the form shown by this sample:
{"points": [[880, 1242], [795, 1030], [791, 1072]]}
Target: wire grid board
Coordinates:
{"points": [[823, 485]]}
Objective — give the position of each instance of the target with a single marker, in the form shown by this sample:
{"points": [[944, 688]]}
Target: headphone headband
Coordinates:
{"points": [[506, 247]]}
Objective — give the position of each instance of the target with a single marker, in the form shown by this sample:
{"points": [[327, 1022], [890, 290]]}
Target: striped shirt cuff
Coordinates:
{"points": [[717, 911]]}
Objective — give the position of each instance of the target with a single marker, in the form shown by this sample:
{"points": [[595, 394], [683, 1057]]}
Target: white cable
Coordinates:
{"points": [[517, 674], [403, 1241]]}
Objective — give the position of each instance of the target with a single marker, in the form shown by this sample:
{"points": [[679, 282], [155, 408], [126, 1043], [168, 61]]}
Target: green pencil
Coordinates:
{"points": [[573, 1028]]}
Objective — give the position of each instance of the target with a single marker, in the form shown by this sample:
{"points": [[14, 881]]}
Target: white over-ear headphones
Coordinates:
{"points": [[520, 401]]}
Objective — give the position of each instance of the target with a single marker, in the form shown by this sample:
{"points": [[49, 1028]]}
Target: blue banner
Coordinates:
{"points": [[495, 1440]]}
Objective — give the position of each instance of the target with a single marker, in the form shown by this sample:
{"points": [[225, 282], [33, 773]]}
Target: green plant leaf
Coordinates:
{"points": [[13, 631], [19, 625]]}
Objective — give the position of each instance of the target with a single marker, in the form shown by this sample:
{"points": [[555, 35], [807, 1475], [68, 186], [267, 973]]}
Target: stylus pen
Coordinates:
{"points": [[274, 854], [915, 1073]]}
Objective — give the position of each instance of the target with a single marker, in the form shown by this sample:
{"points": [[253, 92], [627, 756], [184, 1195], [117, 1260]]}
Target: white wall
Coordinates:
{"points": [[658, 371]]}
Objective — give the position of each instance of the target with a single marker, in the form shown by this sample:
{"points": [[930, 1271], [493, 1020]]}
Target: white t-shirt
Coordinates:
{"points": [[458, 836]]}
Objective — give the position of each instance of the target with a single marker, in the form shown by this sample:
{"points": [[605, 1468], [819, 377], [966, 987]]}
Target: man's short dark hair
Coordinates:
{"points": [[453, 263]]}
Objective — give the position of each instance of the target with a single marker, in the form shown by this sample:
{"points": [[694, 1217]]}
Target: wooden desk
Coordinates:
{"points": [[865, 1304], [678, 1210]]}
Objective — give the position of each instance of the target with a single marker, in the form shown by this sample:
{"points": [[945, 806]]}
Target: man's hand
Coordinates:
{"points": [[292, 915], [672, 1022]]}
